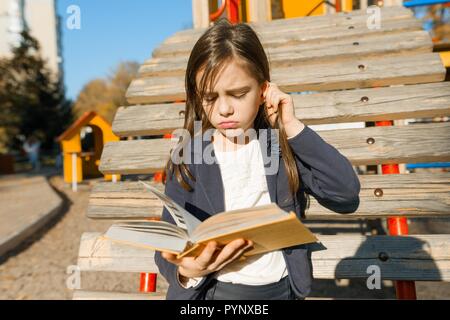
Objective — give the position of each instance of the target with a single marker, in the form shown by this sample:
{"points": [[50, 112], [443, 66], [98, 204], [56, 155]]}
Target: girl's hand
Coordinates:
{"points": [[276, 99], [209, 261]]}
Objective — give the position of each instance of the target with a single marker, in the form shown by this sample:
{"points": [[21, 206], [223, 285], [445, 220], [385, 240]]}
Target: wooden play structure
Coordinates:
{"points": [[356, 74], [81, 156]]}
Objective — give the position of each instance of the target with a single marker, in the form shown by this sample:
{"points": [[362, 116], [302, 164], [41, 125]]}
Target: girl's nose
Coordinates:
{"points": [[225, 108]]}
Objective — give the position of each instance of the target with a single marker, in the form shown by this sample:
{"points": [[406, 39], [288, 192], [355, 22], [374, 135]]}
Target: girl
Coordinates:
{"points": [[228, 89]]}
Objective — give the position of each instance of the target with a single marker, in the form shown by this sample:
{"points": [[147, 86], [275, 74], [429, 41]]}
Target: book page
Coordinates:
{"points": [[153, 226], [152, 240], [235, 219], [273, 235], [182, 217]]}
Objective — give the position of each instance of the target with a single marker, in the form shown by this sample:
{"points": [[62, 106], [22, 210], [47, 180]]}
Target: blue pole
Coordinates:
{"points": [[415, 3], [428, 165]]}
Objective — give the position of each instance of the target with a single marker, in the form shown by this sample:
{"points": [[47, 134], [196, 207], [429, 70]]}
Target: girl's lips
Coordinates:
{"points": [[227, 125]]}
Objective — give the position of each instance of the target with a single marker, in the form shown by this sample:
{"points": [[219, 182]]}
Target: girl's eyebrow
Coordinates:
{"points": [[234, 90]]}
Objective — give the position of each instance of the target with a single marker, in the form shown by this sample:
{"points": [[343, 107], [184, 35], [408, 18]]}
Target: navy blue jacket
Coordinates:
{"points": [[324, 173]]}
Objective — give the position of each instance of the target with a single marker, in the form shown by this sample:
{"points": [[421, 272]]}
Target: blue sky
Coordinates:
{"points": [[114, 31]]}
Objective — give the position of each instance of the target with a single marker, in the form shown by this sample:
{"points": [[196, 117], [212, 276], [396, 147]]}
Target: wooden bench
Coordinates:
{"points": [[357, 75]]}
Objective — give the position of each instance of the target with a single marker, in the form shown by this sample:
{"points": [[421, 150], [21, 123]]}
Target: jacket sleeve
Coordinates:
{"points": [[325, 173], [167, 269]]}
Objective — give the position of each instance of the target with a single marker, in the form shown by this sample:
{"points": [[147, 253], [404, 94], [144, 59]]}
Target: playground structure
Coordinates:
{"points": [[81, 155], [382, 75]]}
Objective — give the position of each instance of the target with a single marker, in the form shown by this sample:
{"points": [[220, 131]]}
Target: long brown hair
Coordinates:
{"points": [[219, 44]]}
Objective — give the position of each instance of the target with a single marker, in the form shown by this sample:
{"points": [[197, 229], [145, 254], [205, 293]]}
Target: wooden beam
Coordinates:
{"points": [[360, 73], [295, 35], [364, 146], [373, 104], [381, 196], [304, 23], [407, 43], [99, 254], [200, 13], [414, 257], [102, 295], [260, 10]]}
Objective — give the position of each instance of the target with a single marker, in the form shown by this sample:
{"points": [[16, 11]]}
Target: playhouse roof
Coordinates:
{"points": [[82, 121]]}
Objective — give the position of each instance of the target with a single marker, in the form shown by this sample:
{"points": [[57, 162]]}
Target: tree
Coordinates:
{"points": [[104, 96], [31, 99]]}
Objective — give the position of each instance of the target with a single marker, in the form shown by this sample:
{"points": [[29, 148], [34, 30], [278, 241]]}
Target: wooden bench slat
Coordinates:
{"points": [[395, 144], [296, 35], [414, 257], [360, 73], [411, 195], [405, 43], [105, 295], [309, 22], [98, 254], [399, 102]]}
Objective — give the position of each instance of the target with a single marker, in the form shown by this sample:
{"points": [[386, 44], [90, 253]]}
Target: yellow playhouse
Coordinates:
{"points": [[82, 144]]}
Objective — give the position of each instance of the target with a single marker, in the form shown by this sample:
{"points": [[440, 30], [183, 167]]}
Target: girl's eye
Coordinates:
{"points": [[241, 96]]}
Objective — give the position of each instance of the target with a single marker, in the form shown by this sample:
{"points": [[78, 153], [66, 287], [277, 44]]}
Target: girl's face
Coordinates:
{"points": [[234, 101]]}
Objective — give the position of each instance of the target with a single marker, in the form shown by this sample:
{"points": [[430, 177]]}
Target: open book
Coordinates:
{"points": [[268, 226]]}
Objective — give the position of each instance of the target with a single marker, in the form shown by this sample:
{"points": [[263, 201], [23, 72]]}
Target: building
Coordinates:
{"points": [[41, 20]]}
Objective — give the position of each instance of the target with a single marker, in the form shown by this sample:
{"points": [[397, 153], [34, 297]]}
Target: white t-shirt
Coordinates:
{"points": [[245, 185]]}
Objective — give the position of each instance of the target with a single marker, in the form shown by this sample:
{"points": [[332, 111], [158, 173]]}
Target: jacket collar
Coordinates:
{"points": [[209, 178]]}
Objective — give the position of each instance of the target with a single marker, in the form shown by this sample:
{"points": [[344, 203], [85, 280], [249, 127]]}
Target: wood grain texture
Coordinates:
{"points": [[359, 73], [405, 43], [400, 102], [411, 195], [105, 295], [294, 37], [306, 23], [396, 144], [414, 257]]}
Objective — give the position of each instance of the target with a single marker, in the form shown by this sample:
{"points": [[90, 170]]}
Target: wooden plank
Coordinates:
{"points": [[360, 73], [101, 295], [260, 11], [411, 195], [306, 35], [372, 145], [337, 50], [414, 257], [401, 102], [303, 24], [310, 22], [99, 254], [200, 13]]}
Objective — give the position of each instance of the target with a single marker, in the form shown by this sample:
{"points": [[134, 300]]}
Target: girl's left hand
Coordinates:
{"points": [[276, 99]]}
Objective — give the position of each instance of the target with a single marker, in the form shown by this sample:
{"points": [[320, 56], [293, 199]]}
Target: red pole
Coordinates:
{"points": [[337, 5], [398, 226], [233, 11], [148, 280]]}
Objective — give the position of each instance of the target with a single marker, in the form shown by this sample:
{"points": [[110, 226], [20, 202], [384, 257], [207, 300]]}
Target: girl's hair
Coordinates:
{"points": [[220, 44]]}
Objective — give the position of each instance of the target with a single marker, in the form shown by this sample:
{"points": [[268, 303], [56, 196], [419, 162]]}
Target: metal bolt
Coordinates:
{"points": [[370, 140], [378, 192], [383, 256], [364, 99]]}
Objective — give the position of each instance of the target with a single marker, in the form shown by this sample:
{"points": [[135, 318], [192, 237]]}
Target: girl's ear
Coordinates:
{"points": [[262, 90]]}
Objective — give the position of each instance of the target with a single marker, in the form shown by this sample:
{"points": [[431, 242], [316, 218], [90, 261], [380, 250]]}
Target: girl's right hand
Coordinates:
{"points": [[209, 261]]}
